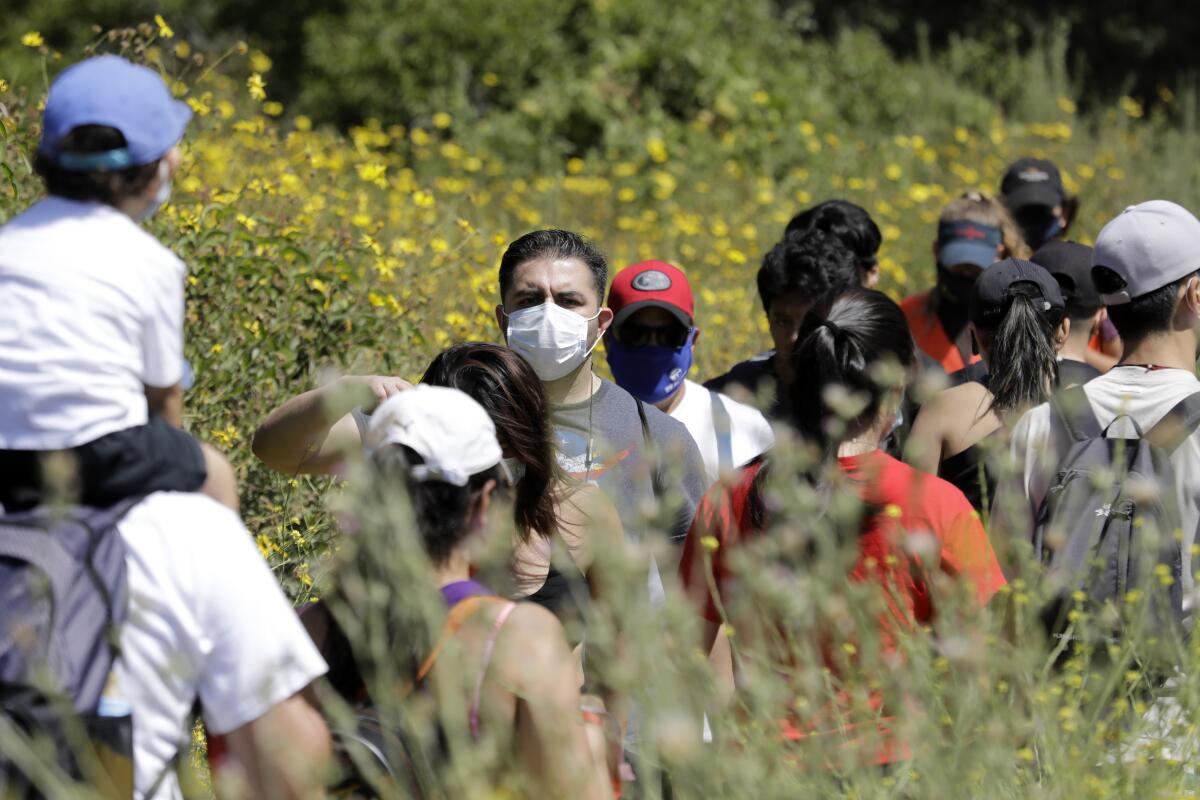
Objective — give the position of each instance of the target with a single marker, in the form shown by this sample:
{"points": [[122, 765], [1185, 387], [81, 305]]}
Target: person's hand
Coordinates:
{"points": [[374, 389]]}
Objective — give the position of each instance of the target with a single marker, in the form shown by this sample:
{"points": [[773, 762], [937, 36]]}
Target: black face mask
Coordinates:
{"points": [[955, 293], [955, 288], [1038, 225]]}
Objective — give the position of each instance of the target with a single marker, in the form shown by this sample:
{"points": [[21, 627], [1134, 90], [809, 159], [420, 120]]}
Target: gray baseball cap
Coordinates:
{"points": [[1148, 246]]}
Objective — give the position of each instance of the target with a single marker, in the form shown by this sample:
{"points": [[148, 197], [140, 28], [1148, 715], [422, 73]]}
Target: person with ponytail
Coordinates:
{"points": [[855, 352], [1018, 320]]}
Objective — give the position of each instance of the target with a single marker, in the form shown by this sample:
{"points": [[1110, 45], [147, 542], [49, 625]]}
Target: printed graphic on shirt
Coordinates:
{"points": [[571, 451]]}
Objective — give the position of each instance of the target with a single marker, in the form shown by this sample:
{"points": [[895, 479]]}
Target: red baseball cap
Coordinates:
{"points": [[651, 283]]}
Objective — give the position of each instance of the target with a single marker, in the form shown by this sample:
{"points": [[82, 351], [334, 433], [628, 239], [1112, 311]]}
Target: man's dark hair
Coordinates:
{"points": [[849, 223], [1142, 316], [104, 186], [553, 243], [809, 262]]}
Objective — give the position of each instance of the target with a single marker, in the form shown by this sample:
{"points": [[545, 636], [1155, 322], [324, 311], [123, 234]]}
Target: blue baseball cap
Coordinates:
{"points": [[108, 90], [966, 242]]}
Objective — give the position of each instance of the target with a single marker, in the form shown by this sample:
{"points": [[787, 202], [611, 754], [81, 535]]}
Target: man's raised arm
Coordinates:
{"points": [[313, 433]]}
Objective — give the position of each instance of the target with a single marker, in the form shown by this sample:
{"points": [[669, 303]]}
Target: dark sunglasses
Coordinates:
{"points": [[633, 334]]}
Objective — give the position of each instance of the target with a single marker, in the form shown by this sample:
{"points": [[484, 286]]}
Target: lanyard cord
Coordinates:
{"points": [[587, 476]]}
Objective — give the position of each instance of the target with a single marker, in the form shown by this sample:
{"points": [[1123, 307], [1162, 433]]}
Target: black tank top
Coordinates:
{"points": [[970, 472], [567, 597]]}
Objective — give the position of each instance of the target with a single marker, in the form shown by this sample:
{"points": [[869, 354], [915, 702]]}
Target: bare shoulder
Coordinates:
{"points": [[958, 398], [532, 645], [959, 407], [530, 619]]}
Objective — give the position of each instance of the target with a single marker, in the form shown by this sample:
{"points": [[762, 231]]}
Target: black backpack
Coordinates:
{"points": [[1108, 532], [63, 598]]}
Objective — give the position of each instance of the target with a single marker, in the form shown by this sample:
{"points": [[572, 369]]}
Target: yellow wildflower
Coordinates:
{"points": [[164, 30], [657, 149], [257, 87]]}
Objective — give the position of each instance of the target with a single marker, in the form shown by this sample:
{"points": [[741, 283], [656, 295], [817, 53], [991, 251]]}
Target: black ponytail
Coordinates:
{"points": [[842, 341], [1022, 359]]}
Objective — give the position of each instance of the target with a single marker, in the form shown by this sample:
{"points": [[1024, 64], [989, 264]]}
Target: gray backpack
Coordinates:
{"points": [[1109, 528], [63, 598]]}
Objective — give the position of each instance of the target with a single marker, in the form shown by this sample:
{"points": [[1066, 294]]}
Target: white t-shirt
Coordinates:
{"points": [[207, 620], [1144, 395], [744, 428], [91, 312]]}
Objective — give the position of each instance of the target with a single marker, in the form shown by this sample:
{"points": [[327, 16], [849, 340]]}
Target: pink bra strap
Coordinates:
{"points": [[483, 667]]}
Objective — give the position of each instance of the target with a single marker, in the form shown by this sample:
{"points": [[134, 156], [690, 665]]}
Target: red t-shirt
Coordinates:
{"points": [[910, 503]]}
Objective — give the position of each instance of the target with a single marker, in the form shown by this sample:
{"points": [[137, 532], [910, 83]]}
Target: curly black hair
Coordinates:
{"points": [[847, 221], [810, 262]]}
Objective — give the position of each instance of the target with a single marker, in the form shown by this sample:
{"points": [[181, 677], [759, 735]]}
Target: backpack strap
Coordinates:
{"points": [[457, 617], [641, 409], [1072, 420], [723, 426], [1177, 425]]}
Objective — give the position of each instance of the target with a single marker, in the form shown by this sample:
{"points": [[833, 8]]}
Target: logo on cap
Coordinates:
{"points": [[973, 233], [652, 280], [1033, 175]]}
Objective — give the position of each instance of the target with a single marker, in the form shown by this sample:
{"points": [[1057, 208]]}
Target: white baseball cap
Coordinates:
{"points": [[1149, 246], [449, 430]]}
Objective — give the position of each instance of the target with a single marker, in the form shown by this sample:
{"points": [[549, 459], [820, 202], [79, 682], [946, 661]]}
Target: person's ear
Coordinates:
{"points": [[1097, 320], [869, 277], [1070, 206], [174, 159], [1191, 295], [695, 337], [604, 321], [477, 514], [501, 323], [1060, 335]]}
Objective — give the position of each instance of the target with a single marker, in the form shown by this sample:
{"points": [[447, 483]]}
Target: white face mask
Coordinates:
{"points": [[552, 339], [162, 195]]}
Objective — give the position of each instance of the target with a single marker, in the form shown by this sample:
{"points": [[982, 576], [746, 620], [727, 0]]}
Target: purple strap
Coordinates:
{"points": [[455, 593]]}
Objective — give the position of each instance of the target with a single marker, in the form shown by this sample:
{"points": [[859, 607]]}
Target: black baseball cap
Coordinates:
{"points": [[1032, 182], [1071, 265], [997, 285]]}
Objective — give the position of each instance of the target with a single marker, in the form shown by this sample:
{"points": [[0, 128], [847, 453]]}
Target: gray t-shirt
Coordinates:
{"points": [[618, 463]]}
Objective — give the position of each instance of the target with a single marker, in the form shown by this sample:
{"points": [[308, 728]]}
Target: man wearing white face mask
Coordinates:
{"points": [[551, 286]]}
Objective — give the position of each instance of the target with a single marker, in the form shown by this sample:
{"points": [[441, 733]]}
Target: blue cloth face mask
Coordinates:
{"points": [[652, 373]]}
